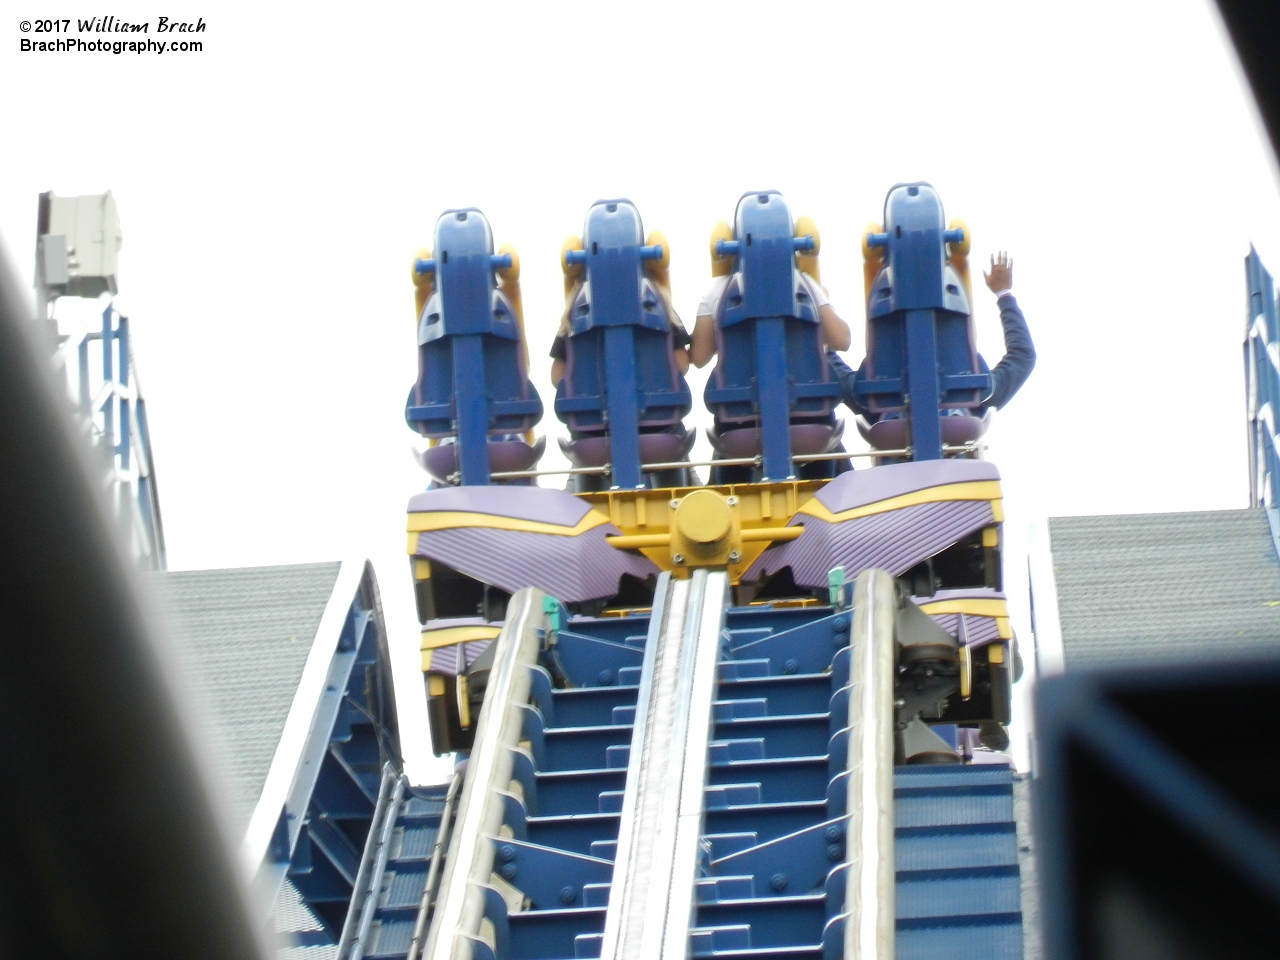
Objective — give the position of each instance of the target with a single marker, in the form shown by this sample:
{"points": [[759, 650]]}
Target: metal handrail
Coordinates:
{"points": [[869, 883], [905, 452], [373, 863], [432, 885]]}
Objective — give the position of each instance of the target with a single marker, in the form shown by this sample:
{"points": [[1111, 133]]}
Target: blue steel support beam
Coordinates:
{"points": [[1262, 385], [122, 345], [774, 398], [472, 406], [85, 399], [1263, 379], [148, 494], [922, 391], [108, 375], [621, 402]]}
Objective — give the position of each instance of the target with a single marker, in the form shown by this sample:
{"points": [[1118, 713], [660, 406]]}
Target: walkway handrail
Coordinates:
{"points": [[438, 850], [373, 863], [869, 883]]}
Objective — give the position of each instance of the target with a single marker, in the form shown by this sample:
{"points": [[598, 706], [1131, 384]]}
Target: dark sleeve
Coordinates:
{"points": [[846, 375], [557, 348], [1019, 355], [680, 336]]}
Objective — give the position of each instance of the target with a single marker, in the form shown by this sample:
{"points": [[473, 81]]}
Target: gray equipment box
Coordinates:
{"points": [[79, 239]]}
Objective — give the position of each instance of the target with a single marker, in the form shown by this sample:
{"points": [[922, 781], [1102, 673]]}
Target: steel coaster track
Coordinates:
{"points": [[711, 781], [658, 843]]}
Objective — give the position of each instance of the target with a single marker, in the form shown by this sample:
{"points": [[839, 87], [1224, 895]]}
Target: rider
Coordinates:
{"points": [[835, 332], [1009, 374], [660, 276]]}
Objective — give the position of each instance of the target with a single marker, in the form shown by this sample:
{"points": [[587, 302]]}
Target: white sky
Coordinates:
{"points": [[274, 187]]}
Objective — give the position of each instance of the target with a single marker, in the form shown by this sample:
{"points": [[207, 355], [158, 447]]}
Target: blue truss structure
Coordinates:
{"points": [[336, 756]]}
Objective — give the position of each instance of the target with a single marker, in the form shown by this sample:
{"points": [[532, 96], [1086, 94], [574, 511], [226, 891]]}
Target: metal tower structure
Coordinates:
{"points": [[77, 241]]}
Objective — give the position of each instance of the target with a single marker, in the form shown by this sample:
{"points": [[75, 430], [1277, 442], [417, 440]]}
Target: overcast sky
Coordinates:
{"points": [[274, 187]]}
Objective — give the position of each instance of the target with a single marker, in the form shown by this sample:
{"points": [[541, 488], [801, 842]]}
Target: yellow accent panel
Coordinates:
{"points": [[435, 685], [998, 610], [995, 653], [464, 701], [510, 286], [872, 261], [453, 519], [721, 266], [421, 569], [422, 284], [448, 636], [808, 262], [990, 537], [793, 603], [770, 534], [974, 607], [659, 268], [640, 541], [971, 490], [958, 256]]}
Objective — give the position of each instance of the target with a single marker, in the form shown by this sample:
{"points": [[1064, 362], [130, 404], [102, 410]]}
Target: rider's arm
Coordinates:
{"points": [[557, 361], [1019, 353], [702, 346], [846, 377], [835, 332]]}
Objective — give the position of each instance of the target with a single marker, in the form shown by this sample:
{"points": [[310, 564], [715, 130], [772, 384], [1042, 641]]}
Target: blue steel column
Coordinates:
{"points": [[774, 397], [85, 399], [472, 406], [922, 386], [122, 345], [621, 402], [108, 375], [1256, 398], [1264, 380]]}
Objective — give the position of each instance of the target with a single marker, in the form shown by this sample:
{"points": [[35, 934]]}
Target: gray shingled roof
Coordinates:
{"points": [[244, 635], [1174, 587]]}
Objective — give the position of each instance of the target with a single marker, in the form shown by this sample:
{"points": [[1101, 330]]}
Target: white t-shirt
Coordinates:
{"points": [[711, 302]]}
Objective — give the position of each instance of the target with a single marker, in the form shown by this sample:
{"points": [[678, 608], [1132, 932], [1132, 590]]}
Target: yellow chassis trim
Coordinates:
{"points": [[975, 607], [972, 490], [448, 636], [453, 519], [997, 610]]}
